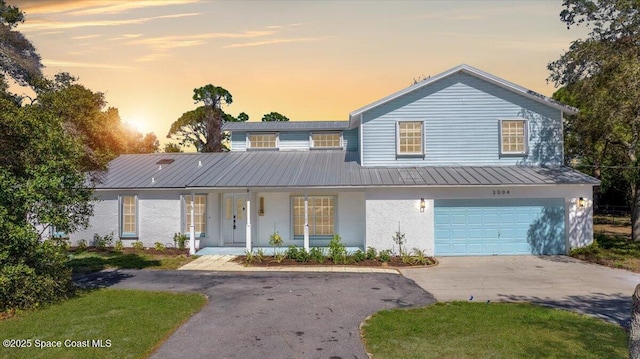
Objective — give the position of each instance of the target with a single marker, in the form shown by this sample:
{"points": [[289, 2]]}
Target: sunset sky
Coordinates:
{"points": [[309, 60]]}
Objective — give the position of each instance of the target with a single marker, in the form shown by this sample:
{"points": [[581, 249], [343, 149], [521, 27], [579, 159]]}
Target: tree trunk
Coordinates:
{"points": [[634, 327], [214, 130], [635, 215]]}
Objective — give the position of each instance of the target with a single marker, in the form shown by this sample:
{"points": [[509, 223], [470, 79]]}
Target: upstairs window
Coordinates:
{"points": [[129, 216], [513, 137], [409, 138], [263, 140], [326, 140]]}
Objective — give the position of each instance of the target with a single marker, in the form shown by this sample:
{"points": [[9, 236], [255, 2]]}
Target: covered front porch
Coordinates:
{"points": [[233, 222]]}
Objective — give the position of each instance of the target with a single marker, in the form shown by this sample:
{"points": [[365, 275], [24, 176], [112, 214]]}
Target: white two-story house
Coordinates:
{"points": [[463, 163]]}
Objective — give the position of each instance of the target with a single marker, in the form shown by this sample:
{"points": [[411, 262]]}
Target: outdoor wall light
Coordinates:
{"points": [[581, 202], [423, 204]]}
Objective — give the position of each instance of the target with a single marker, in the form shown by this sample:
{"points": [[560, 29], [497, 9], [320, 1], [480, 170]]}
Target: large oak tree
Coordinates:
{"points": [[601, 74]]}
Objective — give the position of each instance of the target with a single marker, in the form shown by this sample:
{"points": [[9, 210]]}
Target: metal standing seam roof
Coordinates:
{"points": [[283, 126], [331, 168]]}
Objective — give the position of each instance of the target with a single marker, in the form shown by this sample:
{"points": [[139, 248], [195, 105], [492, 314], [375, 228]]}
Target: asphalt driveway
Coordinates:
{"points": [[558, 281], [272, 315]]}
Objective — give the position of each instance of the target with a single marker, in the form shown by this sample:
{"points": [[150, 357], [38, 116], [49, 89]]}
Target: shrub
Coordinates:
{"points": [[303, 256], [248, 257], [317, 254], [337, 250], [359, 256], [399, 239], [101, 243], [82, 246], [180, 240], [372, 253], [159, 247], [138, 246], [43, 278], [278, 257], [275, 240], [259, 255], [384, 255], [419, 257], [291, 252], [119, 246]]}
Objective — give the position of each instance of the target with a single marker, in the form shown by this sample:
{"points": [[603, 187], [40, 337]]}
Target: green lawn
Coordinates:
{"points": [[135, 323], [495, 330], [87, 262]]}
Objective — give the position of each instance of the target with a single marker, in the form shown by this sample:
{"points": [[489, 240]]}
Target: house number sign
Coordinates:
{"points": [[500, 192]]}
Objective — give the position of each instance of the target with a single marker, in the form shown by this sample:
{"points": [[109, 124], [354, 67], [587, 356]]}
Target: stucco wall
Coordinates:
{"points": [[384, 214], [104, 220]]}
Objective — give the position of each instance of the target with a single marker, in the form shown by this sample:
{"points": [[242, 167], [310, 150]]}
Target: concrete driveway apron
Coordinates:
{"points": [[558, 281]]}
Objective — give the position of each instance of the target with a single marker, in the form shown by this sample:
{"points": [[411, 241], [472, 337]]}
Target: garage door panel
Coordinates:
{"points": [[508, 226]]}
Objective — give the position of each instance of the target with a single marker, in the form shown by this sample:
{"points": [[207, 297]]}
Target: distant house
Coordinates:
{"points": [[463, 163]]}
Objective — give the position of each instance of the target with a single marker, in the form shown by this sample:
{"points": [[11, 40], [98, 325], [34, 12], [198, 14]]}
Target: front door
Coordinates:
{"points": [[234, 225]]}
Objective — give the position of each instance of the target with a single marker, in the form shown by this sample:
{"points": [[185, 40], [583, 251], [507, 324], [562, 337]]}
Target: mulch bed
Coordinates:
{"points": [[268, 261]]}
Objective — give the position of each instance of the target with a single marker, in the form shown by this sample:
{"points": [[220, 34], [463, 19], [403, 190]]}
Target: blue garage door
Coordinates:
{"points": [[499, 227]]}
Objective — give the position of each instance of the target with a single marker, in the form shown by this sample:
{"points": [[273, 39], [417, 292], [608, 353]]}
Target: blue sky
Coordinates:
{"points": [[309, 60]]}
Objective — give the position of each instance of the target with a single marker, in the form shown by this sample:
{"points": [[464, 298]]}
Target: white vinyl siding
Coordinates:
{"points": [[129, 216], [513, 138], [326, 140], [199, 214], [263, 140], [321, 214], [409, 138]]}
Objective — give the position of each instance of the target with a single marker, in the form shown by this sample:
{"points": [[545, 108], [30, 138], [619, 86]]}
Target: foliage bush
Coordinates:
{"points": [[180, 240], [291, 252], [318, 255], [359, 256], [384, 255], [372, 254], [118, 246], [102, 242], [138, 246], [337, 250], [82, 246], [259, 255], [248, 257], [158, 246], [41, 277], [303, 256], [399, 239]]}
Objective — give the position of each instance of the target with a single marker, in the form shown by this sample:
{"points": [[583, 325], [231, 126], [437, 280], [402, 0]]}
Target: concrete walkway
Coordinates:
{"points": [[558, 281], [225, 263]]}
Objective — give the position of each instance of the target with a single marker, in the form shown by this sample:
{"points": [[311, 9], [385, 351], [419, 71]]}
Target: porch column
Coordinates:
{"points": [[248, 214], [192, 228], [306, 223]]}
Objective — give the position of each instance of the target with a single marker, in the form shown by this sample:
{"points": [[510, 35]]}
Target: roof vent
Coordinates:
{"points": [[165, 161], [159, 167], [153, 180], [199, 163]]}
